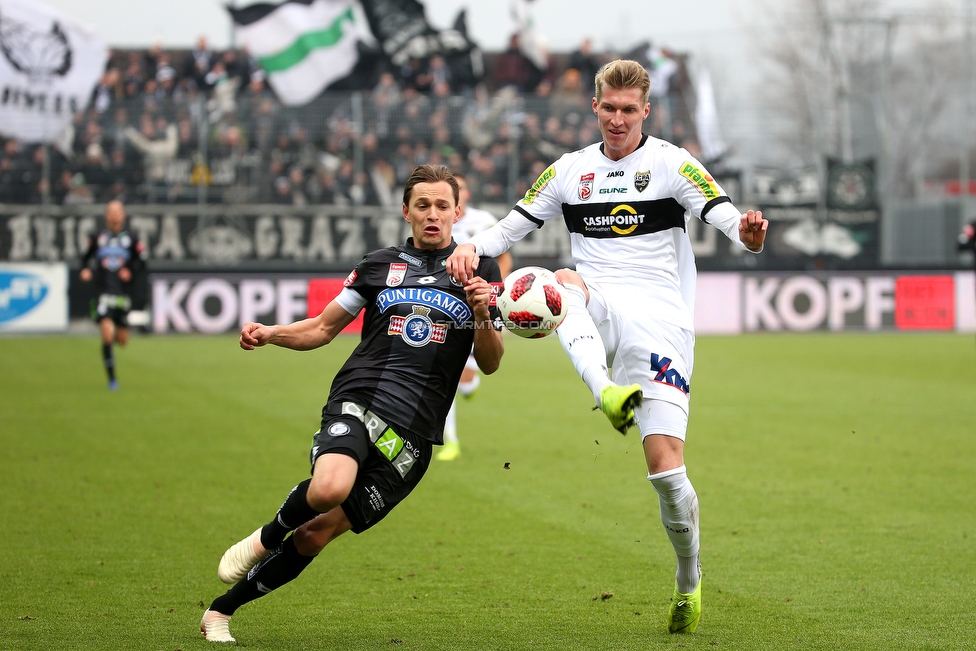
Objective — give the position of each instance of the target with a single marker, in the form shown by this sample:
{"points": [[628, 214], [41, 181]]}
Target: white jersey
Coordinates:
{"points": [[472, 222], [627, 220]]}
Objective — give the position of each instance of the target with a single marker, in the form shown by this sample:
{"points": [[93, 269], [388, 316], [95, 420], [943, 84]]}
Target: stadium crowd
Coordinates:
{"points": [[202, 126]]}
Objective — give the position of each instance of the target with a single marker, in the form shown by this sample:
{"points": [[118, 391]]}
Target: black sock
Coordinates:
{"points": [[293, 513], [283, 565], [108, 360]]}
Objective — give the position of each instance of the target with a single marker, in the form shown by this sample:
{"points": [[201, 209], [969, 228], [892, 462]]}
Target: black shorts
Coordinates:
{"points": [[391, 463], [112, 306]]}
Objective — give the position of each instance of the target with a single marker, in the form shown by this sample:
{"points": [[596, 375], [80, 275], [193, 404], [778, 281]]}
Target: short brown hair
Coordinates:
{"points": [[430, 174], [623, 73]]}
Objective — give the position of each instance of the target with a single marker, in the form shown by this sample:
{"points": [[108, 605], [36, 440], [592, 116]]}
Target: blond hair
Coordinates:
{"points": [[623, 73]]}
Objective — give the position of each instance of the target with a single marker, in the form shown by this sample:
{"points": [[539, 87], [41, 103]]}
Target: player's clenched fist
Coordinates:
{"points": [[254, 335]]}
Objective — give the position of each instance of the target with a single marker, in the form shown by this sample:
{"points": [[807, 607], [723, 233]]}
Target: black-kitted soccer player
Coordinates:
{"points": [[113, 258], [388, 402]]}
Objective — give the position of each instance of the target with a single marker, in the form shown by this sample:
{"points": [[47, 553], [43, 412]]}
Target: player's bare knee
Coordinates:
{"points": [[568, 276], [325, 493]]}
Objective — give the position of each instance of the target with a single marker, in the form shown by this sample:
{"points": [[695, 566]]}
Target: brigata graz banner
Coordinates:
{"points": [[269, 237]]}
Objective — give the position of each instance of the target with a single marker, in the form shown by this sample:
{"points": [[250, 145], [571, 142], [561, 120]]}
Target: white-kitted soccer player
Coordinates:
{"points": [[626, 202]]}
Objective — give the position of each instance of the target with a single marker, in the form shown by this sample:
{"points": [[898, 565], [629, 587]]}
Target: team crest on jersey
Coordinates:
{"points": [[396, 274], [417, 329], [350, 279], [586, 186], [642, 180]]}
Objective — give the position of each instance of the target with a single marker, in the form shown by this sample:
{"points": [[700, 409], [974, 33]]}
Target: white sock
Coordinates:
{"points": [[467, 388], [450, 424], [679, 515], [582, 342]]}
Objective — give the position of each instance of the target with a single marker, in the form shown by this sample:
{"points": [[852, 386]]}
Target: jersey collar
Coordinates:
{"points": [[639, 145]]}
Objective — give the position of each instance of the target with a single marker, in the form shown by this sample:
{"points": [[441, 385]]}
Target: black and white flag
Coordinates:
{"points": [[49, 65]]}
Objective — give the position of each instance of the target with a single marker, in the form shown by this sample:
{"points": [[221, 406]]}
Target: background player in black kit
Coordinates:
{"points": [[388, 402], [113, 258]]}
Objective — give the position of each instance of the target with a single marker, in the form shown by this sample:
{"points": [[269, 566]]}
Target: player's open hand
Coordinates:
{"points": [[254, 335], [462, 263], [752, 230]]}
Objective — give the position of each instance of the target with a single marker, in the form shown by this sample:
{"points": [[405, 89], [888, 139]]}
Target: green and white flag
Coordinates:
{"points": [[302, 45]]}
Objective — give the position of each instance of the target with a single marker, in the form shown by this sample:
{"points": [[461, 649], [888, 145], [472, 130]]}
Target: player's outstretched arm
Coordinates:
{"points": [[752, 230], [463, 262], [488, 346], [301, 335]]}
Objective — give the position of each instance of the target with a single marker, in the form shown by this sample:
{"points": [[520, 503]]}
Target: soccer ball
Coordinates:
{"points": [[532, 302]]}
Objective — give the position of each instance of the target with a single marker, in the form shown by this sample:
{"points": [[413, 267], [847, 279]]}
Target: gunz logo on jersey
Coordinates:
{"points": [[667, 375], [705, 183], [642, 180], [586, 186], [452, 306], [541, 182], [417, 329], [622, 220], [396, 274]]}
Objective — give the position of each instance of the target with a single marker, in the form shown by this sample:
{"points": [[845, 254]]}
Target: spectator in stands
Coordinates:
{"points": [[512, 68], [586, 63], [108, 91], [568, 97], [198, 64], [78, 192], [157, 151]]}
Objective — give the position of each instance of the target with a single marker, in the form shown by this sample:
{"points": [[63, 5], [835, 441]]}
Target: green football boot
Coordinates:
{"points": [[618, 403], [685, 611]]}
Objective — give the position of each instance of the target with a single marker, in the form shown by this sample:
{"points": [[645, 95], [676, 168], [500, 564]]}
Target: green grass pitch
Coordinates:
{"points": [[835, 473]]}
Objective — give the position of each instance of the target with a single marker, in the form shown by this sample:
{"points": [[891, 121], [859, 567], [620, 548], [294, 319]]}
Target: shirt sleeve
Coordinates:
{"points": [[695, 189], [541, 203], [350, 300]]}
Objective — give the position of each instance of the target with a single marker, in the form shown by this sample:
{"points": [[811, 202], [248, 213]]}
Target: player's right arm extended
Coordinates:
{"points": [[500, 237], [305, 334]]}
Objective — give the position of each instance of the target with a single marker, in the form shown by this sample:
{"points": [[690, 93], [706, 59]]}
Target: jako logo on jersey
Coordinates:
{"points": [[350, 279], [586, 186], [395, 277], [613, 190], [642, 180], [622, 220], [541, 182], [19, 294], [667, 375], [704, 183], [417, 329], [452, 306], [610, 175]]}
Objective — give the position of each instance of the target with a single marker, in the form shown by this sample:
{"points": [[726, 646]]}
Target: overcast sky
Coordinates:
{"points": [[705, 23]]}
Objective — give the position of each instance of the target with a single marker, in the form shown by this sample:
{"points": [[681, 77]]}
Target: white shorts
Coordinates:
{"points": [[644, 350]]}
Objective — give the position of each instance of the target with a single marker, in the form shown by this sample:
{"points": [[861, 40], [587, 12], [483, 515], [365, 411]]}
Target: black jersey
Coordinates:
{"points": [[112, 251], [418, 330]]}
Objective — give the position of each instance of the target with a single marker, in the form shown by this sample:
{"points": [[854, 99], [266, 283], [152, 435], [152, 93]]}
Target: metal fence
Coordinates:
{"points": [[230, 180]]}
